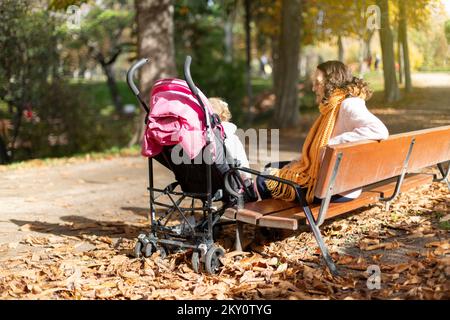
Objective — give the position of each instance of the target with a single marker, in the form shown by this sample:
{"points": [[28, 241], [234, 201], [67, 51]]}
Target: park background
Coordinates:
{"points": [[63, 64], [73, 193]]}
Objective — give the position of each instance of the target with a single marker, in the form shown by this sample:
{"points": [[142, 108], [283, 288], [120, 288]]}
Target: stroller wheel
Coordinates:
{"points": [[162, 251], [137, 249], [196, 263], [148, 249], [212, 259]]}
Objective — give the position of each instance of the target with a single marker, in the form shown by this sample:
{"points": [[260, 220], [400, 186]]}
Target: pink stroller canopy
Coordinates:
{"points": [[175, 117]]}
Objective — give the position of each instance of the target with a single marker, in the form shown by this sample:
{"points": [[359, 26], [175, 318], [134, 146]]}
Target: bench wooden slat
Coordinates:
{"points": [[289, 217], [230, 213], [269, 206], [430, 148], [366, 162]]}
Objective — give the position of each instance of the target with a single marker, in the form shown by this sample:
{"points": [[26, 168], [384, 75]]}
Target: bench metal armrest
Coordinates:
{"points": [[299, 194], [267, 176]]}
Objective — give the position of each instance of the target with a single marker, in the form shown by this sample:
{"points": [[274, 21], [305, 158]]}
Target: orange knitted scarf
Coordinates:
{"points": [[305, 171]]}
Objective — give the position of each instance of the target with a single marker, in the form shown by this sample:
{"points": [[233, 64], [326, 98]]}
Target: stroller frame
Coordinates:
{"points": [[199, 237]]}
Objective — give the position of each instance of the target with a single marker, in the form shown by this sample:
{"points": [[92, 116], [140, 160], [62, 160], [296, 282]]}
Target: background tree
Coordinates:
{"points": [[248, 52], [29, 59], [102, 34], [287, 65], [391, 91], [64, 4], [338, 20], [41, 113], [230, 9], [447, 31], [155, 34], [403, 40], [408, 16], [200, 32]]}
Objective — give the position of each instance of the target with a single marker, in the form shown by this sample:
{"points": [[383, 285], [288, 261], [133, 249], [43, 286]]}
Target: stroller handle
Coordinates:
{"points": [[188, 77], [130, 75], [133, 87]]}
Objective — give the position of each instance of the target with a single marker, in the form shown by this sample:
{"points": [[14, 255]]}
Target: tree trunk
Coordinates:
{"points": [[248, 48], [340, 49], [391, 91], [4, 159], [274, 49], [17, 123], [368, 45], [228, 30], [361, 57], [112, 86], [362, 43], [400, 60], [155, 41], [403, 34], [287, 69]]}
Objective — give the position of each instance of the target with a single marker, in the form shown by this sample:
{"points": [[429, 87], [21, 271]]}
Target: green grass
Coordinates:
{"points": [[3, 107], [260, 85], [444, 225], [434, 69], [99, 94], [375, 80]]}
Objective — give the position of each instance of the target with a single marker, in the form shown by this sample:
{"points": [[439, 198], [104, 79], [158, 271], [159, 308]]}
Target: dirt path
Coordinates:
{"points": [[431, 80], [48, 197]]}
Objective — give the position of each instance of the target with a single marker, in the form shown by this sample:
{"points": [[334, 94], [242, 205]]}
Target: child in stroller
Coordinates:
{"points": [[183, 135], [234, 147]]}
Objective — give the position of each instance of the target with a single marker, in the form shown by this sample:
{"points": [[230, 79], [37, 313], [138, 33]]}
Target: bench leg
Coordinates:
{"points": [[448, 184], [401, 177], [326, 201], [239, 236], [323, 248], [444, 173]]}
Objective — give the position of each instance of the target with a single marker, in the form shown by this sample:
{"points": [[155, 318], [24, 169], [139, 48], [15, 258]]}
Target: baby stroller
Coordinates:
{"points": [[185, 136]]}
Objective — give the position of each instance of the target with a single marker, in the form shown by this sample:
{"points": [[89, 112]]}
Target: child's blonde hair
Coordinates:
{"points": [[221, 108]]}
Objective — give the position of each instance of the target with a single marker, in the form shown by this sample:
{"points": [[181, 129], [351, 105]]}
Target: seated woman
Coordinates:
{"points": [[343, 117]]}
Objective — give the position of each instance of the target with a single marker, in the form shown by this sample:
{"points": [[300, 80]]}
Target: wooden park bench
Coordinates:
{"points": [[383, 168]]}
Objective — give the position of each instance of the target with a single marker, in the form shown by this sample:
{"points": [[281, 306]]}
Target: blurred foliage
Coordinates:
{"points": [[29, 61], [447, 31], [40, 58], [104, 34], [102, 28], [64, 4], [199, 32], [430, 46], [51, 116], [81, 123], [28, 42]]}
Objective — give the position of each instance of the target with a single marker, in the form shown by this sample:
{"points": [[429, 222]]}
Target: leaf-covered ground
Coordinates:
{"points": [[67, 230], [409, 243]]}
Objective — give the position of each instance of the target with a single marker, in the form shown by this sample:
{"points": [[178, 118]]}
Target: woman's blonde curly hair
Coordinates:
{"points": [[220, 107], [339, 76]]}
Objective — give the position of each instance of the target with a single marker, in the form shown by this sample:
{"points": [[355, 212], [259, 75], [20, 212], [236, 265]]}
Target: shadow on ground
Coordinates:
{"points": [[77, 226]]}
